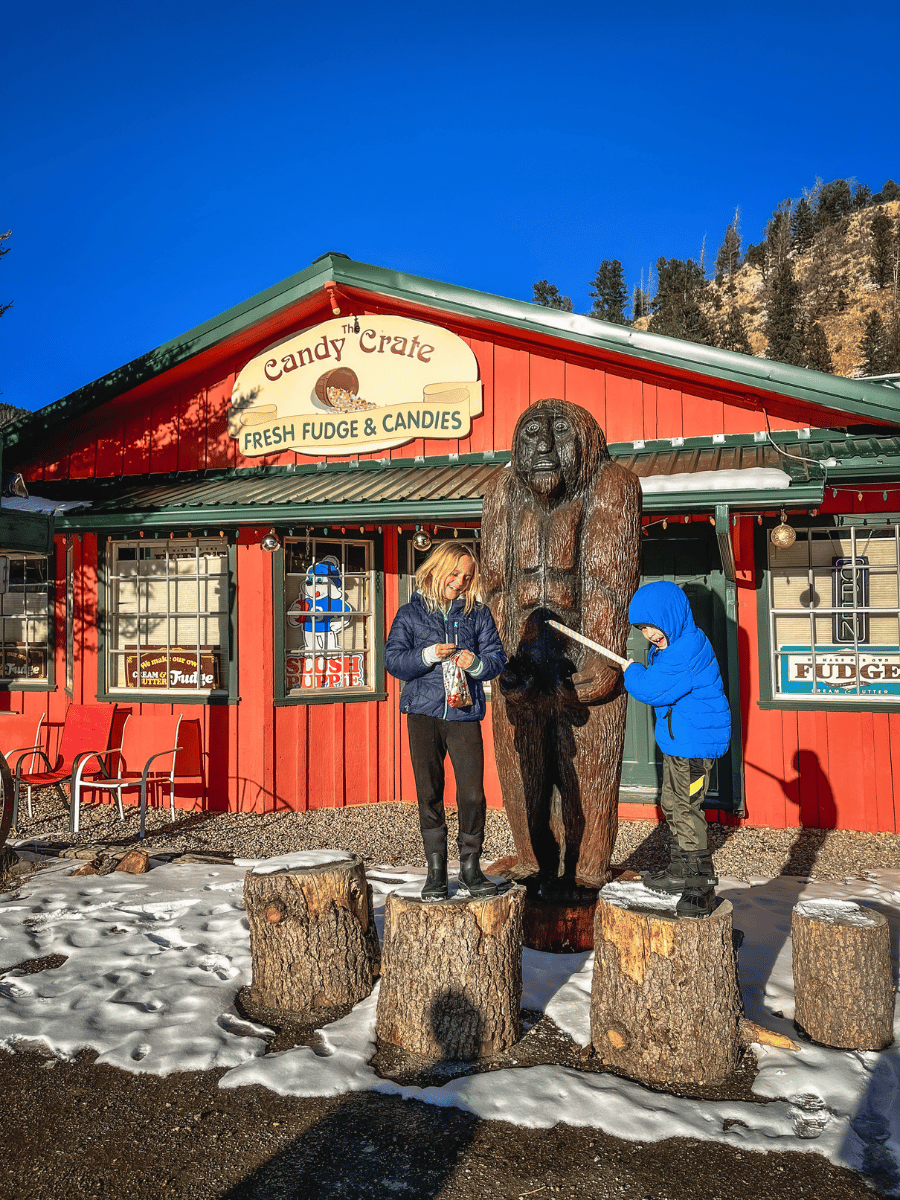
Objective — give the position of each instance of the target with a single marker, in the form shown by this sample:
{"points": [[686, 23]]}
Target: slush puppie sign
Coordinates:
{"points": [[366, 384]]}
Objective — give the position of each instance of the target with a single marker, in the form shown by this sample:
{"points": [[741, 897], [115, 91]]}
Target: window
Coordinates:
{"points": [[70, 616], [167, 616], [25, 619], [834, 614], [329, 602]]}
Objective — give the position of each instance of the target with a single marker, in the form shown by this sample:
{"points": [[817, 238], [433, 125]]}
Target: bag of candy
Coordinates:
{"points": [[455, 683]]}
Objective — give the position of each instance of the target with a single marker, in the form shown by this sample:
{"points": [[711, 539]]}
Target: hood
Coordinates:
{"points": [[664, 605]]}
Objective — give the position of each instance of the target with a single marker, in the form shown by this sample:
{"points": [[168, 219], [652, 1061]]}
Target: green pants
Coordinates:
{"points": [[684, 785]]}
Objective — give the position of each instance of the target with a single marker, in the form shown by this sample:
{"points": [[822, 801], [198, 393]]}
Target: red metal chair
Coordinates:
{"points": [[146, 739], [17, 727], [85, 737]]}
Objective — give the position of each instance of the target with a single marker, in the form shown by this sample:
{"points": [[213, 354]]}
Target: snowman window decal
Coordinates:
{"points": [[327, 623], [312, 611]]}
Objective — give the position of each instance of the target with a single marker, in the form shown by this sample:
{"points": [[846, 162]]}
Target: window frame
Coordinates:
{"points": [[48, 684], [282, 698], [769, 698], [227, 694]]}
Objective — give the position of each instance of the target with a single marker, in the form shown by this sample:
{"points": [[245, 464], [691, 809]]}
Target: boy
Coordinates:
{"points": [[693, 728]]}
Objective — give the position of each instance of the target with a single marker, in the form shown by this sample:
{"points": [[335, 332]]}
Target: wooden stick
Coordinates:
{"points": [[586, 641]]}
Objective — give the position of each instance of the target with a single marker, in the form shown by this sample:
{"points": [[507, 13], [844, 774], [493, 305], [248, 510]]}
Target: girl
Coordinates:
{"points": [[445, 620]]}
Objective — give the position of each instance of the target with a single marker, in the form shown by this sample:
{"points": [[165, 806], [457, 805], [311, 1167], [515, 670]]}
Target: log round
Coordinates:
{"points": [[451, 981], [665, 1002], [312, 933], [843, 981]]}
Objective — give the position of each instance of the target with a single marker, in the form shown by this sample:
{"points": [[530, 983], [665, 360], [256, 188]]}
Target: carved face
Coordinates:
{"points": [[547, 452]]}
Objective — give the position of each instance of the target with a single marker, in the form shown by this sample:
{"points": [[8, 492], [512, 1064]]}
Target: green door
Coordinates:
{"points": [[689, 556]]}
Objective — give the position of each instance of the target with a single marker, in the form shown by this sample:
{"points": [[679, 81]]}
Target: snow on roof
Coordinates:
{"points": [[747, 479], [39, 504]]}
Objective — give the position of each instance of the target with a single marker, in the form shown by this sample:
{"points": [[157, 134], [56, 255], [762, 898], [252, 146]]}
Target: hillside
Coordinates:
{"points": [[835, 289]]}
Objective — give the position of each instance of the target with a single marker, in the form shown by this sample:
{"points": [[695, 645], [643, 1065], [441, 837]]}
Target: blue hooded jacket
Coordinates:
{"points": [[683, 681], [414, 628]]}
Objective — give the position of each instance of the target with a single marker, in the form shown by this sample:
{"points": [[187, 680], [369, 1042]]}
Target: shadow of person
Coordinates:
{"points": [[371, 1145], [816, 811], [367, 1146]]}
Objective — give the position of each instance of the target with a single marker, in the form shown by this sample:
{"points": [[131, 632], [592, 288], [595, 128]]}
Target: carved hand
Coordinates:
{"points": [[596, 679]]}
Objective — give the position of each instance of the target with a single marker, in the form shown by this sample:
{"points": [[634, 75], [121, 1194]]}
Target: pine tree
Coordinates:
{"points": [[548, 295], [873, 348], [609, 292], [893, 343], [862, 196], [833, 202], [778, 237], [882, 235], [734, 334], [818, 355], [784, 325], [729, 257], [803, 227], [676, 306]]}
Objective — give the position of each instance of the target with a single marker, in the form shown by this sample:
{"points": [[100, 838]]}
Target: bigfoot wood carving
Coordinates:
{"points": [[560, 541]]}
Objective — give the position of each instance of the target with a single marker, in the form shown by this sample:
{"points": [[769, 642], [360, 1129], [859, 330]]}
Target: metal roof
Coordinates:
{"points": [[862, 398], [452, 487]]}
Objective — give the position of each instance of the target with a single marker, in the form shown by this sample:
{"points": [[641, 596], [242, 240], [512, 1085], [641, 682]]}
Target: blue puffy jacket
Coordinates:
{"points": [[683, 681], [415, 628]]}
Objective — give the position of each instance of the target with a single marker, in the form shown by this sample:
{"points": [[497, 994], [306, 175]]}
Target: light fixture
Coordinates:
{"points": [[270, 542], [422, 541], [783, 536]]}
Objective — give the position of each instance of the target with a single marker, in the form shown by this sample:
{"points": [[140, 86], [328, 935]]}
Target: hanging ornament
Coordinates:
{"points": [[422, 541], [783, 536], [665, 523]]}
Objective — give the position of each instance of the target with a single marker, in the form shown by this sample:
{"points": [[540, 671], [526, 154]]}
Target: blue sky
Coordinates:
{"points": [[164, 162]]}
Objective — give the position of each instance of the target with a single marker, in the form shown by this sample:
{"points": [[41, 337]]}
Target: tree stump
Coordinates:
{"points": [[312, 931], [452, 975], [843, 980], [665, 1002]]}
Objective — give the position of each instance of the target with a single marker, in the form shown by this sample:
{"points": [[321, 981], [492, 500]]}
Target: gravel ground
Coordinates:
{"points": [[389, 834], [79, 1129]]}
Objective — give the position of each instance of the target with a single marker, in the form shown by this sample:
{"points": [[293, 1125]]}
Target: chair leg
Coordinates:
{"points": [[172, 801], [28, 800], [119, 801], [143, 808], [74, 805], [15, 820]]}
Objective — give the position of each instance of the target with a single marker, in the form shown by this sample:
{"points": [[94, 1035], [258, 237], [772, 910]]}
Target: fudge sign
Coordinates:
{"points": [[362, 384]]}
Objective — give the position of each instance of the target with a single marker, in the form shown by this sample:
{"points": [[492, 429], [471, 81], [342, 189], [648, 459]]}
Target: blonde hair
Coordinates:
{"points": [[432, 575]]}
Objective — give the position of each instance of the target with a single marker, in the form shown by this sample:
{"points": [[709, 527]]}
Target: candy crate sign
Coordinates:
{"points": [[305, 671], [178, 669]]}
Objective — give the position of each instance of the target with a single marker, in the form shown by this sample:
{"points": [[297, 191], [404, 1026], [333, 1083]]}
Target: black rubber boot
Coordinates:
{"points": [[436, 880], [699, 896], [670, 880], [473, 880]]}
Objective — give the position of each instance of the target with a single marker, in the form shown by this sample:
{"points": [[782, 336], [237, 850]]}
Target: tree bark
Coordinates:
{"points": [[843, 980], [665, 1003], [452, 981], [312, 936]]}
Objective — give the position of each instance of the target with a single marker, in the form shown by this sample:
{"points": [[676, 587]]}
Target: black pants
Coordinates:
{"points": [[430, 738]]}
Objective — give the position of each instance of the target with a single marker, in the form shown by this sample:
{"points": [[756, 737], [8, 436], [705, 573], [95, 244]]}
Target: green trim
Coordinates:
{"points": [[281, 698], [123, 695], [872, 401], [767, 698], [26, 530]]}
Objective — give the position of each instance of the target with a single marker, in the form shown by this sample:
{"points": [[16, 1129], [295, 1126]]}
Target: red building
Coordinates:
{"points": [[166, 553]]}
